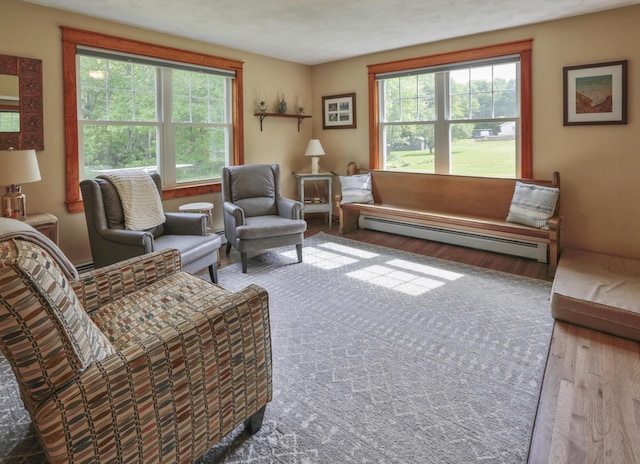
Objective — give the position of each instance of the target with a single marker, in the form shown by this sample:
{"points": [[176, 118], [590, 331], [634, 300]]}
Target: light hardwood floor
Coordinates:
{"points": [[521, 266], [589, 409]]}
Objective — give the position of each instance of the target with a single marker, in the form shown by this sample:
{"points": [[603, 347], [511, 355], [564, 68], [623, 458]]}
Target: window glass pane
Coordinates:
{"points": [[409, 109], [391, 108], [112, 90], [481, 105], [409, 147], [198, 97], [93, 88], [109, 147], [200, 152], [504, 76], [488, 151], [505, 104], [410, 98], [9, 121], [426, 97], [459, 108]]}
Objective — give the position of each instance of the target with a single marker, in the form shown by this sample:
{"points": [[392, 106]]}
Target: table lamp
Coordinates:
{"points": [[17, 167], [315, 150]]}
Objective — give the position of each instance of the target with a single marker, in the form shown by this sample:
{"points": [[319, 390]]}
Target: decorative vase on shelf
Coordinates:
{"points": [[262, 103], [300, 105], [282, 107]]}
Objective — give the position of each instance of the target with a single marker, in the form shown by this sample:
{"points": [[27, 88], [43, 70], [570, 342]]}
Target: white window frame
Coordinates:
{"points": [[73, 38], [166, 158], [449, 60], [443, 122]]}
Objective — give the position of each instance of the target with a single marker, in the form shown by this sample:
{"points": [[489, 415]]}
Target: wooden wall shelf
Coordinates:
{"points": [[299, 117]]}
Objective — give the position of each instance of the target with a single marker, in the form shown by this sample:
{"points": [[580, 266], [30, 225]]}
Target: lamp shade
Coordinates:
{"points": [[18, 167], [314, 148]]}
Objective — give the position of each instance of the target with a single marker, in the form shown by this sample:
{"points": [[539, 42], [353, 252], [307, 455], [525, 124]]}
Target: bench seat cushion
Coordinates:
{"points": [[598, 291], [455, 221]]}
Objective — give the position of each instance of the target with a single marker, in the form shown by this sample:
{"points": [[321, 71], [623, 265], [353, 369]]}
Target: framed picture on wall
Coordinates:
{"points": [[339, 111], [595, 94]]}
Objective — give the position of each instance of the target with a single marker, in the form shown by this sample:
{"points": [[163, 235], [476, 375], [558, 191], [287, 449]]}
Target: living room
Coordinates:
{"points": [[597, 164]]}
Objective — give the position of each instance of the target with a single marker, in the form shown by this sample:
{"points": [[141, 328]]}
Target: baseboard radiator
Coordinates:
{"points": [[533, 250]]}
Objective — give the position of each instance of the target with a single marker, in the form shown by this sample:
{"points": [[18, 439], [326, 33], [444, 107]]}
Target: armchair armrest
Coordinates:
{"points": [[289, 208], [185, 224], [106, 284], [215, 365], [231, 210], [137, 238]]}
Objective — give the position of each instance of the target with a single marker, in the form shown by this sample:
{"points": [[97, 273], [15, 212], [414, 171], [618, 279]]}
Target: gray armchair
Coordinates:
{"points": [[111, 242], [256, 216]]}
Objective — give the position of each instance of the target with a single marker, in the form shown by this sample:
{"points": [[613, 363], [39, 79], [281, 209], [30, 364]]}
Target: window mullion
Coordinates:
{"points": [[166, 155], [442, 156]]}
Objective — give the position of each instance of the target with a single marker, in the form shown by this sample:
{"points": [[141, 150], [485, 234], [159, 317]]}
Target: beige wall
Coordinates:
{"points": [[598, 164], [33, 31]]}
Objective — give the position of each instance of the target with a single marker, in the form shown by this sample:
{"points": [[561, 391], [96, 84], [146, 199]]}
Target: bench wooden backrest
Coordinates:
{"points": [[475, 196]]}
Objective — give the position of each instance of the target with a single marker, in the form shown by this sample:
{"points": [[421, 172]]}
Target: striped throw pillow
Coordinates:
{"points": [[533, 205]]}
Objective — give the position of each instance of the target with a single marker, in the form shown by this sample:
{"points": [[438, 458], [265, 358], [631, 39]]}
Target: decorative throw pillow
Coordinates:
{"points": [[533, 205], [356, 189], [44, 328]]}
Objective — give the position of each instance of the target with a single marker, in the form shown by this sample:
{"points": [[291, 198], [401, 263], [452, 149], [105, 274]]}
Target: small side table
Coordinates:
{"points": [[201, 207], [316, 205], [45, 223]]}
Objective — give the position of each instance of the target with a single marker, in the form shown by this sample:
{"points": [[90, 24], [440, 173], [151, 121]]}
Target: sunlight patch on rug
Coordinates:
{"points": [[400, 281]]}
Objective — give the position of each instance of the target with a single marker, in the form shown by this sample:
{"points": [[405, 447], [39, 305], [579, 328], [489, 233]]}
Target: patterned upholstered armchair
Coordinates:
{"points": [[137, 362]]}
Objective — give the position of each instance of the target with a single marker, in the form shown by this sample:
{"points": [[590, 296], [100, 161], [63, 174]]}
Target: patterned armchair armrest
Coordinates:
{"points": [[106, 284], [174, 390]]}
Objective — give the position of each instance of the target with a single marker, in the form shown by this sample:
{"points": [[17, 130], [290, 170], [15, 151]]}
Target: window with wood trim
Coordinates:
{"points": [[131, 104], [463, 113]]}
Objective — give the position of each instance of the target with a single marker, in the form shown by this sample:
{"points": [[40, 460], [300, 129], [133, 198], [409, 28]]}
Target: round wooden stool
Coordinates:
{"points": [[201, 207]]}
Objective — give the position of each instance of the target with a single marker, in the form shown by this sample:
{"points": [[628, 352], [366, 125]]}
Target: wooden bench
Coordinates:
{"points": [[461, 210]]}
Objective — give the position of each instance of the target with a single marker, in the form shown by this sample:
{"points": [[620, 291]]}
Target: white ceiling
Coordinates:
{"points": [[318, 31]]}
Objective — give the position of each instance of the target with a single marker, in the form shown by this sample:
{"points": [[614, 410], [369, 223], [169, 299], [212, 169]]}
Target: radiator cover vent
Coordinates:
{"points": [[534, 250]]}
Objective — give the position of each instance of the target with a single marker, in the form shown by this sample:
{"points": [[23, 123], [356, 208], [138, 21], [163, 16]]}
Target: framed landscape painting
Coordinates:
{"points": [[595, 94], [339, 111]]}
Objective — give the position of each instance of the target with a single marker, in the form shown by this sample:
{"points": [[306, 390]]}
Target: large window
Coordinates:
{"points": [[152, 116], [466, 113], [150, 107]]}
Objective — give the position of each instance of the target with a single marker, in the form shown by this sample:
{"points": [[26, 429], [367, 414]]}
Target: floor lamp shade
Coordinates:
{"points": [[315, 150], [17, 167]]}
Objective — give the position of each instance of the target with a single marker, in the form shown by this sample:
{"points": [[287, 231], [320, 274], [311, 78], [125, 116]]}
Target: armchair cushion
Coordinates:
{"points": [[269, 226], [253, 189], [53, 330]]}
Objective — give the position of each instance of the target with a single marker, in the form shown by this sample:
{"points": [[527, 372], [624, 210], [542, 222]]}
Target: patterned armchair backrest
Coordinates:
{"points": [[45, 334]]}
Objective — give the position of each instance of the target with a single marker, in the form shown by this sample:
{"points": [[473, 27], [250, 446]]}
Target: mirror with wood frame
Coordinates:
{"points": [[26, 116]]}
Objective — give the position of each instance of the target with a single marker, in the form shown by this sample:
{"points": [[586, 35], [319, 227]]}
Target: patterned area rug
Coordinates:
{"points": [[379, 356]]}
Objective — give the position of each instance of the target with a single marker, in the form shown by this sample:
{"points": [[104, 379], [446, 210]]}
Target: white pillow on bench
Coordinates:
{"points": [[356, 189], [533, 205]]}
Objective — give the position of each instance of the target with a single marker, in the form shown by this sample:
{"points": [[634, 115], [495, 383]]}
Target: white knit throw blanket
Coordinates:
{"points": [[141, 202]]}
